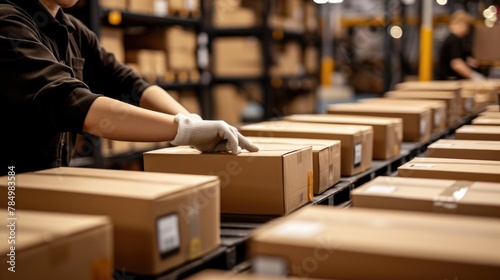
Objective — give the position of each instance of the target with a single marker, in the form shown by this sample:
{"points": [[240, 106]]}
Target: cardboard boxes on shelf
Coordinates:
{"points": [[355, 243], [387, 132], [228, 60], [465, 149], [486, 120], [450, 86], [288, 60], [162, 211], [113, 4], [446, 168], [429, 195], [326, 158], [151, 64], [416, 120], [273, 181], [228, 103], [356, 140], [112, 40], [452, 99], [55, 246], [485, 38], [438, 108], [478, 132]]}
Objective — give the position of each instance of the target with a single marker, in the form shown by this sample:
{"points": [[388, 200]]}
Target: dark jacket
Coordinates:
{"points": [[51, 71]]}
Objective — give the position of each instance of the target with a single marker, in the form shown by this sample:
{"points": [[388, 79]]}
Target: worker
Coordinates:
{"points": [[56, 81], [455, 59]]}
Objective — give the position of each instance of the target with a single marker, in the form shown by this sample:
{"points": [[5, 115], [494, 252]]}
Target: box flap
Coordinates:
{"points": [[302, 127], [347, 119], [493, 129], [265, 149], [451, 144], [35, 228], [384, 108], [316, 144]]}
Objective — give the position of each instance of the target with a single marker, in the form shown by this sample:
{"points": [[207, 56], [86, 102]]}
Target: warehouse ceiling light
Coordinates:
{"points": [[442, 2], [320, 1], [328, 1], [335, 1], [396, 32]]}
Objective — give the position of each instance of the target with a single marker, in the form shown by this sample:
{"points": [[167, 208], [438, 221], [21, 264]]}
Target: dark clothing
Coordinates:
{"points": [[51, 71], [452, 48]]}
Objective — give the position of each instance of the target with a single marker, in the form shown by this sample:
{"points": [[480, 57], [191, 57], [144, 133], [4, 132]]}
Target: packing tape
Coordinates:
{"points": [[194, 229], [447, 200], [100, 269], [310, 185]]}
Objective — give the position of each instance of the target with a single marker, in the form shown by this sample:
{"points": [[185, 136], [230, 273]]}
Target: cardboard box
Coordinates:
{"points": [[276, 180], [152, 64], [490, 114], [288, 60], [112, 40], [438, 108], [174, 38], [228, 61], [141, 6], [484, 42], [157, 222], [188, 99], [465, 149], [429, 195], [356, 141], [228, 103], [229, 17], [452, 99], [416, 120], [56, 246], [493, 108], [478, 132], [486, 120], [311, 59], [356, 243], [113, 4], [214, 274], [447, 168], [468, 103], [387, 132], [453, 86], [304, 103], [326, 158]]}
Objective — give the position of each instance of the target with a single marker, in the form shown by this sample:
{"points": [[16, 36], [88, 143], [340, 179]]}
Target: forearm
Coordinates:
{"points": [[112, 119], [461, 67], [156, 99]]}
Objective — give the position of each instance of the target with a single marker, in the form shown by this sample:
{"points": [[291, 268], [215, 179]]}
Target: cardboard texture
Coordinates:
{"points": [[228, 61], [484, 42], [429, 86], [112, 40], [213, 274], [478, 132], [486, 120], [228, 103], [356, 141], [387, 132], [326, 158], [452, 99], [113, 4], [234, 17], [416, 120], [356, 243], [438, 108], [465, 149], [447, 168], [490, 114], [57, 246], [493, 108], [430, 195], [160, 220], [152, 64], [276, 180], [287, 60]]}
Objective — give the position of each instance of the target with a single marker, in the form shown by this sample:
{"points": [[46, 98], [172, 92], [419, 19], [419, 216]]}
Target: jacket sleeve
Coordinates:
{"points": [[32, 79], [104, 74]]}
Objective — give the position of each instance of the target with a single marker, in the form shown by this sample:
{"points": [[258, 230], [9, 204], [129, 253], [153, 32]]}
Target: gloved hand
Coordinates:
{"points": [[475, 76], [210, 136], [195, 117]]}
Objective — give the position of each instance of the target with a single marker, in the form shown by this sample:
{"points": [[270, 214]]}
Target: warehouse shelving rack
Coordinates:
{"points": [[268, 35]]}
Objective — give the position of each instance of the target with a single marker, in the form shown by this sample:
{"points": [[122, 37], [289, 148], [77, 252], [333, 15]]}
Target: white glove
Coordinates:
{"points": [[195, 117], [475, 76], [210, 136]]}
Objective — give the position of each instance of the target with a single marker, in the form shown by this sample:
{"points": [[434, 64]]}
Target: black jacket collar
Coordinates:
{"points": [[41, 16]]}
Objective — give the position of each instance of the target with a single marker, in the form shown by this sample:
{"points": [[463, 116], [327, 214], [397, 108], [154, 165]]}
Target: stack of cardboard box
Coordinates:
{"points": [[175, 217], [238, 56]]}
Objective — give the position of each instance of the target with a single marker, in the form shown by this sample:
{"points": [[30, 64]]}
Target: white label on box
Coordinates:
{"points": [[190, 5], [299, 229], [358, 149], [443, 145], [167, 232], [437, 118], [160, 8], [422, 165], [272, 266], [381, 189], [423, 126], [469, 104]]}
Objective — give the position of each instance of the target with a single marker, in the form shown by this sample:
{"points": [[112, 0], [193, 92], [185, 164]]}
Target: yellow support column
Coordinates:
{"points": [[327, 68], [426, 40]]}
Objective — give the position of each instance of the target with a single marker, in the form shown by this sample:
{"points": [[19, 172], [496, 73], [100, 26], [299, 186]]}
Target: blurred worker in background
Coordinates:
{"points": [[455, 58]]}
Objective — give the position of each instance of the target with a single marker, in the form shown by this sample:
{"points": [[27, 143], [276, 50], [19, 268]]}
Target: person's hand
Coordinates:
{"points": [[195, 117], [210, 136], [475, 76]]}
